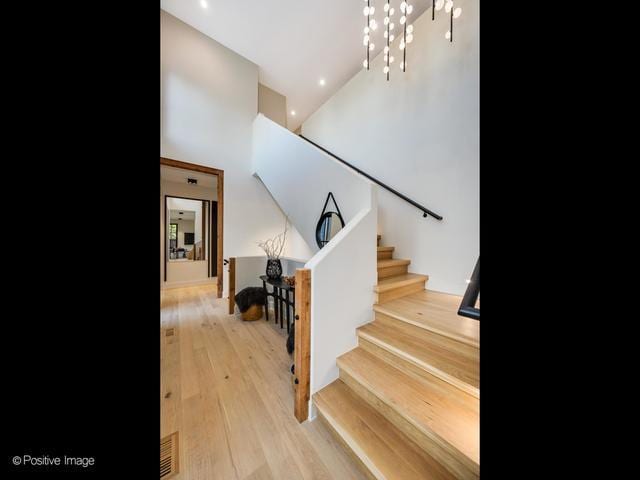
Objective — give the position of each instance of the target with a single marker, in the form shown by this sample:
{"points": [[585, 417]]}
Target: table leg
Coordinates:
{"points": [[275, 303], [266, 300], [280, 298], [288, 312]]}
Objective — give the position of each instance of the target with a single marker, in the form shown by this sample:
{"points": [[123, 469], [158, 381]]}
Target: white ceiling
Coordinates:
{"points": [[189, 207], [186, 215], [180, 175], [294, 42]]}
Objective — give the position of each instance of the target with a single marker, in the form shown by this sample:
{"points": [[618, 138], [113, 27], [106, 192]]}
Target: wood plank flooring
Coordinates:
{"points": [[226, 387]]}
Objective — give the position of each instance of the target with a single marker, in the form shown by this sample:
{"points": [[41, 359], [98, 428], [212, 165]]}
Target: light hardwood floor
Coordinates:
{"points": [[226, 387]]}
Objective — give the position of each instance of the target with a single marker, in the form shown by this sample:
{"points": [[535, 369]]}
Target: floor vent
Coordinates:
{"points": [[169, 455], [169, 332]]}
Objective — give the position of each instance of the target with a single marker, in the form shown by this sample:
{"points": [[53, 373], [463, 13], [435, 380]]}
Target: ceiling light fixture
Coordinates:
{"points": [[453, 13], [203, 4], [407, 33], [406, 9], [293, 113], [322, 82], [369, 28], [388, 58]]}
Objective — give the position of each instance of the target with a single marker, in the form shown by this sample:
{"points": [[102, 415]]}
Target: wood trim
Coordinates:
{"points": [[206, 219], [164, 240], [232, 284], [219, 232], [213, 242], [302, 343], [170, 162], [203, 226]]}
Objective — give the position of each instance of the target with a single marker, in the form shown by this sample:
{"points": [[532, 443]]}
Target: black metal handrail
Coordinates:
{"points": [[467, 306], [425, 211]]}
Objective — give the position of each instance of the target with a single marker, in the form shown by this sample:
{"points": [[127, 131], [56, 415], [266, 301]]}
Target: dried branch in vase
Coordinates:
{"points": [[274, 247]]}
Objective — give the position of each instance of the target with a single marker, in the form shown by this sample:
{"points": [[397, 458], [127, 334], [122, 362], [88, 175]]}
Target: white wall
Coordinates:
{"points": [[187, 273], [209, 98], [310, 175], [343, 273], [189, 191], [418, 133], [272, 104]]}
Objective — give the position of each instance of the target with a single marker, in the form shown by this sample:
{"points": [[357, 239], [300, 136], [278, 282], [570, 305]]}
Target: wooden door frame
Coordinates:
{"points": [[169, 162]]}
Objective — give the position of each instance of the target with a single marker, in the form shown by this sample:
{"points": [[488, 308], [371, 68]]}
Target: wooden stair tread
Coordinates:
{"points": [[437, 409], [437, 312], [452, 361], [393, 262], [383, 449], [386, 249], [396, 281]]}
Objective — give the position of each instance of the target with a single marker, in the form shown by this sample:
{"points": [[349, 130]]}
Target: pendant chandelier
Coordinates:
{"points": [[406, 9], [453, 13]]}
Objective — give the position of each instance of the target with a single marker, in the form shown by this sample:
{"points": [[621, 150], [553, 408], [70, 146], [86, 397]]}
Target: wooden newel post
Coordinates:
{"points": [[302, 343], [232, 285]]}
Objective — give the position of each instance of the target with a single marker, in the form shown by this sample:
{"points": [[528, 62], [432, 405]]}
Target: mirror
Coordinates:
{"points": [[185, 230], [329, 225]]}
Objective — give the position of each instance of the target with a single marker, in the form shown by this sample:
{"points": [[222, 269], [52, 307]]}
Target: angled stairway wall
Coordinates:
{"points": [[299, 178]]}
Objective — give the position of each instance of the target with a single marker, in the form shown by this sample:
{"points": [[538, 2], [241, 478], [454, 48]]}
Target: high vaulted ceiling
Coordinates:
{"points": [[294, 42]]}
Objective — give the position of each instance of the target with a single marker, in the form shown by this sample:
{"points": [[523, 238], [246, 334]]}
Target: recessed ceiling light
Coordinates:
{"points": [[293, 113], [322, 82], [203, 3]]}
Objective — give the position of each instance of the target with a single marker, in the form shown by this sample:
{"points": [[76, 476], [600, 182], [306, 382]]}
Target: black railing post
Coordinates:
{"points": [[468, 304]]}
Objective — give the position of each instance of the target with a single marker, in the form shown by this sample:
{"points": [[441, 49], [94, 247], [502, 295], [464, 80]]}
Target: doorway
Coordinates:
{"points": [[204, 241]]}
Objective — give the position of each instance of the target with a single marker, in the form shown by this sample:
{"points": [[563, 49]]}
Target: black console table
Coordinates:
{"points": [[284, 300]]}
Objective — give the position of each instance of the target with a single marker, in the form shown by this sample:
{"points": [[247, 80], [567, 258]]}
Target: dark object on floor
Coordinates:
{"points": [[291, 339], [249, 296], [252, 314]]}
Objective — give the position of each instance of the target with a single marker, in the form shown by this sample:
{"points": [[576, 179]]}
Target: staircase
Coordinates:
{"points": [[406, 405]]}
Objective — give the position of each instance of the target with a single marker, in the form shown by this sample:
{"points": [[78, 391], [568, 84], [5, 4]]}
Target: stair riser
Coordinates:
{"points": [[370, 472], [384, 317], [385, 255], [392, 271], [430, 443], [392, 359], [410, 366], [382, 297]]}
